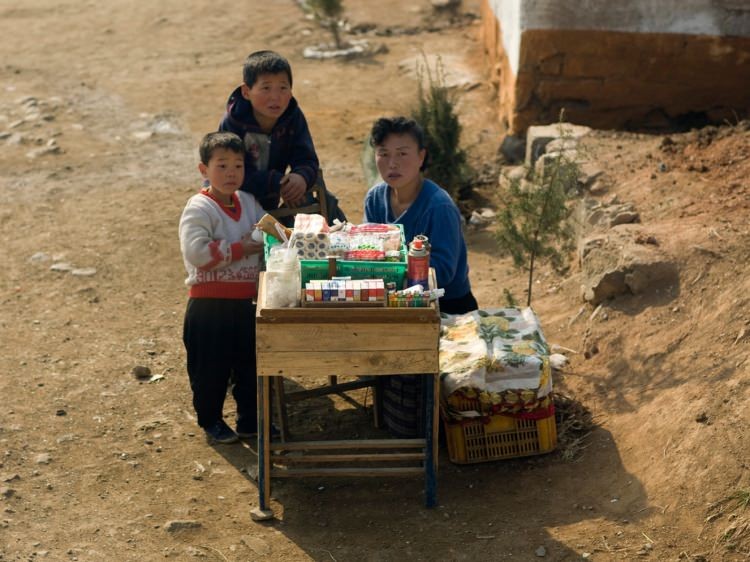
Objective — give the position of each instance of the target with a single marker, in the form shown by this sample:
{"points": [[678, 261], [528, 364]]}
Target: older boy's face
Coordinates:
{"points": [[225, 170], [269, 96]]}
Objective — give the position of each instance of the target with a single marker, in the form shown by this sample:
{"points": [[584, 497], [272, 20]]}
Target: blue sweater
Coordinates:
{"points": [[435, 215], [290, 145]]}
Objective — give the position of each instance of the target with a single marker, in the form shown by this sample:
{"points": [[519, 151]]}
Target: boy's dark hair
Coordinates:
{"points": [[399, 126], [227, 141], [264, 62]]}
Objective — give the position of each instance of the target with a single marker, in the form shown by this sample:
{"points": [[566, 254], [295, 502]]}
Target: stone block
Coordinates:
{"points": [[615, 264], [539, 136], [513, 149]]}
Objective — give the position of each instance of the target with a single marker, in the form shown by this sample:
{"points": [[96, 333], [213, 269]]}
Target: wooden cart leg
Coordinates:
{"points": [[431, 442], [280, 399], [263, 511], [377, 402]]}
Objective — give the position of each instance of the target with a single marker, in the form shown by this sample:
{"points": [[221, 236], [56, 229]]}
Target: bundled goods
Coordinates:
{"points": [[310, 223], [309, 246], [414, 296], [310, 239], [366, 251], [339, 243], [345, 290], [374, 242], [367, 242], [364, 247]]}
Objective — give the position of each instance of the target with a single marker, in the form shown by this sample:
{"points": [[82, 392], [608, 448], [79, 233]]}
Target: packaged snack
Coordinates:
{"points": [[310, 223], [365, 247], [274, 228], [339, 243]]}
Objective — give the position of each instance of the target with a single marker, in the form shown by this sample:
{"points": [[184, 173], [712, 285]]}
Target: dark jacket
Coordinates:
{"points": [[291, 146]]}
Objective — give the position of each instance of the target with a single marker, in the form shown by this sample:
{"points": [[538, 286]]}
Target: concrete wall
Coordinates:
{"points": [[631, 64]]}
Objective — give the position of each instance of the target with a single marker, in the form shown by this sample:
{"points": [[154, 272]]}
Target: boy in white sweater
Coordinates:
{"points": [[222, 263]]}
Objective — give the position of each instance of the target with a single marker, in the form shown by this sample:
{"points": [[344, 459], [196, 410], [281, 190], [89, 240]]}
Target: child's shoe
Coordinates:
{"points": [[220, 432]]}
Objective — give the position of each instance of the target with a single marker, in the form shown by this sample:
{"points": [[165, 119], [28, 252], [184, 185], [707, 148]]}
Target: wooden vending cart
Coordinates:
{"points": [[315, 342]]}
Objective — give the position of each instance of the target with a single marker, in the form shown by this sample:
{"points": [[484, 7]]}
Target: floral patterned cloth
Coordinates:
{"points": [[498, 357]]}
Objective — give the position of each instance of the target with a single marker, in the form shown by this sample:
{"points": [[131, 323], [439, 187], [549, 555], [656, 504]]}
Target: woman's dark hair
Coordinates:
{"points": [[399, 126], [213, 141], [264, 62]]}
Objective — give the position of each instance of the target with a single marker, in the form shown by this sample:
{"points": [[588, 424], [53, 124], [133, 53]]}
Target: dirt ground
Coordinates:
{"points": [[101, 109]]}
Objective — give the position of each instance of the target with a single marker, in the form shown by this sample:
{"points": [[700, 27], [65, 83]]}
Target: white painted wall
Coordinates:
{"points": [[694, 17], [508, 12]]}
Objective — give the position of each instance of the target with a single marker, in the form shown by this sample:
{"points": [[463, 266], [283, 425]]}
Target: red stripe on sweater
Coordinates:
{"points": [[219, 290], [237, 251], [235, 213], [216, 256]]}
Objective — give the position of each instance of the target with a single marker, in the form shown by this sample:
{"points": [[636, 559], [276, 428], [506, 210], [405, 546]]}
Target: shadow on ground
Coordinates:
{"points": [[337, 519]]}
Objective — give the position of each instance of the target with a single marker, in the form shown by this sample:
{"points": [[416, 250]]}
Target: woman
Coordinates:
{"points": [[405, 197]]}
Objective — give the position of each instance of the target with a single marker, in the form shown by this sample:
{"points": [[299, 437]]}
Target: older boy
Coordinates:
{"points": [[263, 112], [222, 264]]}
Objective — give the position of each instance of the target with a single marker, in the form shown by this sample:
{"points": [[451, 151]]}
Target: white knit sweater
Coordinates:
{"points": [[210, 235]]}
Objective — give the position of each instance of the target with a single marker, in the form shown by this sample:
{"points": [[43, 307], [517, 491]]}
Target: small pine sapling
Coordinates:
{"points": [[533, 225], [510, 300], [435, 112]]}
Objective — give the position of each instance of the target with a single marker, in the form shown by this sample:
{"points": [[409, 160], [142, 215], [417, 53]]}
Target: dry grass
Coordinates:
{"points": [[574, 424], [736, 534]]}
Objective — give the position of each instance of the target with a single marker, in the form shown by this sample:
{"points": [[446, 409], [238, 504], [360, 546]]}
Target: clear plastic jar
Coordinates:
{"points": [[282, 279]]}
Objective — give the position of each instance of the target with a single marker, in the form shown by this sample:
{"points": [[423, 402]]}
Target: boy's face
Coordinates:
{"points": [[225, 171], [399, 159], [269, 96]]}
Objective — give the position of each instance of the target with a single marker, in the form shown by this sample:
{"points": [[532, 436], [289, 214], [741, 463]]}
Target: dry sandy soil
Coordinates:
{"points": [[94, 463]]}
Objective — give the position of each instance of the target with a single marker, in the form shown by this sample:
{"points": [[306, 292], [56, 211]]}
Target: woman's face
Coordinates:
{"points": [[399, 159]]}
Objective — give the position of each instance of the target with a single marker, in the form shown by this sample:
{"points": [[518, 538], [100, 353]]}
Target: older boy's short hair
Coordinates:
{"points": [[213, 141], [399, 126], [264, 62]]}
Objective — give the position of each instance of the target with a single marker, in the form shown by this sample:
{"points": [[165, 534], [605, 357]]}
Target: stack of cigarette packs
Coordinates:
{"points": [[345, 290], [409, 300]]}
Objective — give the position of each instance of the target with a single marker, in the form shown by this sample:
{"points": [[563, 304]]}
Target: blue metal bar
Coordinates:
{"points": [[430, 474]]}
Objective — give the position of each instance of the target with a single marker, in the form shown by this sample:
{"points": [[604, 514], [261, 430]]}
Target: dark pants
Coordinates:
{"points": [[461, 305], [219, 337], [403, 395]]}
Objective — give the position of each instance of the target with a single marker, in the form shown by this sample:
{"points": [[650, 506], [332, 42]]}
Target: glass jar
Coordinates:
{"points": [[282, 279]]}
